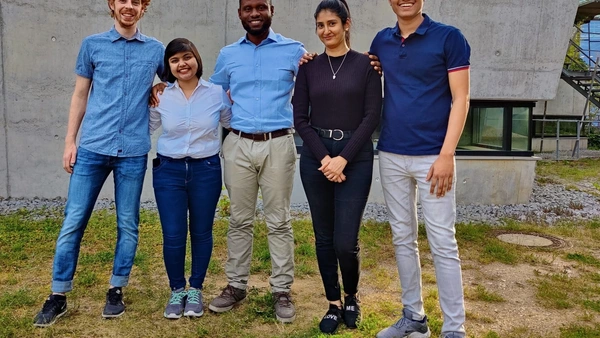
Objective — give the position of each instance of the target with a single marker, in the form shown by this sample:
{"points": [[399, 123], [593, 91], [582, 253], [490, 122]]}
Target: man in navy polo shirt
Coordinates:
{"points": [[119, 67], [426, 74]]}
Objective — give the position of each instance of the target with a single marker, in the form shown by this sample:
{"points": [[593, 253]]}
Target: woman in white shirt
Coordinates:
{"points": [[187, 171]]}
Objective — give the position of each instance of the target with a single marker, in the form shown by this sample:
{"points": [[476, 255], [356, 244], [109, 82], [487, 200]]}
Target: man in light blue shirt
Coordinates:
{"points": [[115, 71], [259, 70]]}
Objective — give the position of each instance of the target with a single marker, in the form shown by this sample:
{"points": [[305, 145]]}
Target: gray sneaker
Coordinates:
{"points": [[406, 328], [284, 307], [452, 335], [193, 305], [176, 303], [227, 299]]}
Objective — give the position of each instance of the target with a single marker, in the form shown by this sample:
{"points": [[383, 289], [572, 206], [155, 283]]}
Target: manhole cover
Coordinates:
{"points": [[530, 239]]}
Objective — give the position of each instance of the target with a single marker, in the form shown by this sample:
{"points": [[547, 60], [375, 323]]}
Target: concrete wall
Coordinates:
{"points": [[494, 180], [564, 144], [566, 102], [38, 56]]}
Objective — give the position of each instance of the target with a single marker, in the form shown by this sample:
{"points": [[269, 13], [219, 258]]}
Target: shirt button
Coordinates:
{"points": [[257, 99], [403, 45]]}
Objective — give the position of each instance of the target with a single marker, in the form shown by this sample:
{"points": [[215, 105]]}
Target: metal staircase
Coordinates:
{"points": [[579, 73]]}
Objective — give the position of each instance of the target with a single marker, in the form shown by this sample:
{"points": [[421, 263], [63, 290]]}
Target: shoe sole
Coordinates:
{"points": [[172, 315], [193, 314], [52, 322], [286, 320], [105, 316], [224, 309]]}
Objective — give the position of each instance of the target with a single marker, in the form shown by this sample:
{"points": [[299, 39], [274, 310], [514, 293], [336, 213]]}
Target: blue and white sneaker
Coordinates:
{"points": [[176, 304], [406, 328], [193, 305]]}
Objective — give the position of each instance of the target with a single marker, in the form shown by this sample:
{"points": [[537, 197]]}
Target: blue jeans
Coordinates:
{"points": [[336, 210], [88, 177], [182, 186]]}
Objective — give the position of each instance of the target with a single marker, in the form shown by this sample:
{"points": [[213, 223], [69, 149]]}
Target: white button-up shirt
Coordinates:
{"points": [[191, 126]]}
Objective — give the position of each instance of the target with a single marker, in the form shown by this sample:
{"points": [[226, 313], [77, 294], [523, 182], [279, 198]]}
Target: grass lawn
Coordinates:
{"points": [[510, 291]]}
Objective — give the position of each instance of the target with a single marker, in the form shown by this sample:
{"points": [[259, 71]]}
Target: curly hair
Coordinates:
{"points": [[145, 4]]}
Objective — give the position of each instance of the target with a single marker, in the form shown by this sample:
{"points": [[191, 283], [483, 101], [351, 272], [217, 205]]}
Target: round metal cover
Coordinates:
{"points": [[530, 239]]}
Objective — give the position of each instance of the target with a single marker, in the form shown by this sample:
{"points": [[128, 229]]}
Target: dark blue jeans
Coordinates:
{"points": [[89, 173], [336, 210], [182, 186]]}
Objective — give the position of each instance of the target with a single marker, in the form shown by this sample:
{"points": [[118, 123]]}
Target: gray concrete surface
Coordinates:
{"points": [[518, 49]]}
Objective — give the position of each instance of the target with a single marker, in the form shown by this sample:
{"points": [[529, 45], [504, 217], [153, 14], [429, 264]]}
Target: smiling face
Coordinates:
{"points": [[255, 16], [127, 12], [330, 30], [184, 66], [407, 9]]}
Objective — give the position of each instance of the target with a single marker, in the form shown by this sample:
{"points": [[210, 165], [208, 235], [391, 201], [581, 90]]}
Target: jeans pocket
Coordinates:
{"points": [[158, 163]]}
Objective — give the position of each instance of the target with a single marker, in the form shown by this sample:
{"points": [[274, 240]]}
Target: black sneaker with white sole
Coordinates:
{"points": [[54, 307], [114, 303], [352, 315]]}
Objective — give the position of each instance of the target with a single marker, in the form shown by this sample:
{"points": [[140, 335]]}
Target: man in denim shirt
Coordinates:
{"points": [[259, 70], [119, 67]]}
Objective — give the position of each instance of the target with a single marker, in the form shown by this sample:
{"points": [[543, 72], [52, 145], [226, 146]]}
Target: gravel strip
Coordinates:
{"points": [[549, 203]]}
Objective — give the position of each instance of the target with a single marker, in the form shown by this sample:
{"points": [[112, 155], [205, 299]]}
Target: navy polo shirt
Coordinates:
{"points": [[417, 97]]}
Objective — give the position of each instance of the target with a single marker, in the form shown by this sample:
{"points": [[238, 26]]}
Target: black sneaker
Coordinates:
{"points": [[352, 315], [114, 303], [331, 320], [54, 307]]}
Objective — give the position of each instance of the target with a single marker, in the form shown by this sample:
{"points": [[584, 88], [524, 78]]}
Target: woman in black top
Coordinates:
{"points": [[337, 104]]}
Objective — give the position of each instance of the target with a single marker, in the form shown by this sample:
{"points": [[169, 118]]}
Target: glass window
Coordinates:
{"points": [[520, 128]]}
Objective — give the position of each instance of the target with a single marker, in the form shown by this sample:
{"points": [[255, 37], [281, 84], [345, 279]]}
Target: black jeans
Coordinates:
{"points": [[336, 210]]}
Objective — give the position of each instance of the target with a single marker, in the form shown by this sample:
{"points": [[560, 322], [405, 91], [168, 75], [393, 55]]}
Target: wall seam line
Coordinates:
{"points": [[4, 105], [226, 11]]}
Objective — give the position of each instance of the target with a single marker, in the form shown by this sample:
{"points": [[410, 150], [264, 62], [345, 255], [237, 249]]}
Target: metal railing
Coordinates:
{"points": [[580, 123]]}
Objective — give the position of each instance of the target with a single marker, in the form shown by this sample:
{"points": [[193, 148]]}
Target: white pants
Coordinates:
{"points": [[401, 176]]}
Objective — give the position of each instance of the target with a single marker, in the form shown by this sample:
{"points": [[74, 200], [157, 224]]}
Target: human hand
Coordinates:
{"points": [[69, 156], [157, 89], [333, 170], [306, 58], [441, 175], [375, 63], [229, 95]]}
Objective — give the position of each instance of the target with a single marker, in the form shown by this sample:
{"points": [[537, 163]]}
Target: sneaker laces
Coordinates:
{"points": [[49, 304], [114, 296], [176, 297], [401, 322], [193, 297], [283, 299]]}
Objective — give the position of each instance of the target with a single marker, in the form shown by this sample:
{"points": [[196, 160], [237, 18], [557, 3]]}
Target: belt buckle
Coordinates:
{"points": [[341, 135]]}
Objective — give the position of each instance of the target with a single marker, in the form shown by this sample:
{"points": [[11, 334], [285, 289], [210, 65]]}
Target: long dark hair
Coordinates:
{"points": [[176, 46], [340, 8]]}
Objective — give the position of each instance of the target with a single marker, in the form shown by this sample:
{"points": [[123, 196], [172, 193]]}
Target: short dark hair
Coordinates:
{"points": [[269, 1], [177, 46], [339, 8]]}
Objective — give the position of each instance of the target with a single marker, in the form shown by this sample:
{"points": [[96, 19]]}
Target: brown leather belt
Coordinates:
{"points": [[264, 136]]}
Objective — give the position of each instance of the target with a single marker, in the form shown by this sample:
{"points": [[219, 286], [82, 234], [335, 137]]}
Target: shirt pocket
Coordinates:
{"points": [[142, 73]]}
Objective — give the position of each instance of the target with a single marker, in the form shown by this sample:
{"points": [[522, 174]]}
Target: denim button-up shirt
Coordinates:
{"points": [[122, 72], [261, 79]]}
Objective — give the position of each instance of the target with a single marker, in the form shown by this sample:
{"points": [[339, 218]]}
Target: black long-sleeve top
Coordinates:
{"points": [[350, 102]]}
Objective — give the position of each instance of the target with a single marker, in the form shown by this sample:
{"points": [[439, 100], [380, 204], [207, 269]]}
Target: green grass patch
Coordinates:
{"points": [[572, 171], [497, 251], [584, 259], [553, 293], [482, 294], [577, 331]]}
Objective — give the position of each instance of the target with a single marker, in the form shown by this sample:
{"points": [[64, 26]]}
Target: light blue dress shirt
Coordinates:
{"points": [[190, 126], [122, 72], [261, 80]]}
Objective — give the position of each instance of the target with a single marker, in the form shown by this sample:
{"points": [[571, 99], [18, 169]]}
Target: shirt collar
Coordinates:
{"points": [[272, 36], [201, 83], [114, 35], [421, 30]]}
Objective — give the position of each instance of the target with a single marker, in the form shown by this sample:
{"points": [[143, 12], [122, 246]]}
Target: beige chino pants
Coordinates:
{"points": [[270, 166]]}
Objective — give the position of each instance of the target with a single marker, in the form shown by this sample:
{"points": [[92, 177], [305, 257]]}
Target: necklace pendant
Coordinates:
{"points": [[334, 77]]}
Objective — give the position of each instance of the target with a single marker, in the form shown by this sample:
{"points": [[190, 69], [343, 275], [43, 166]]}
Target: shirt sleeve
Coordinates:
{"points": [[220, 75], [155, 121], [374, 44], [225, 118], [296, 59], [161, 65], [371, 117], [301, 105], [457, 51], [84, 65]]}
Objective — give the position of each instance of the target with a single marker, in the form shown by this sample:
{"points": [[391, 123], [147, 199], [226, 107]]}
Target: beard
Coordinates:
{"points": [[255, 32]]}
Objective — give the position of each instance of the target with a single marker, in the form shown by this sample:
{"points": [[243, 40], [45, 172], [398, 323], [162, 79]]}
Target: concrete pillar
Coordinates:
{"points": [[4, 191]]}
